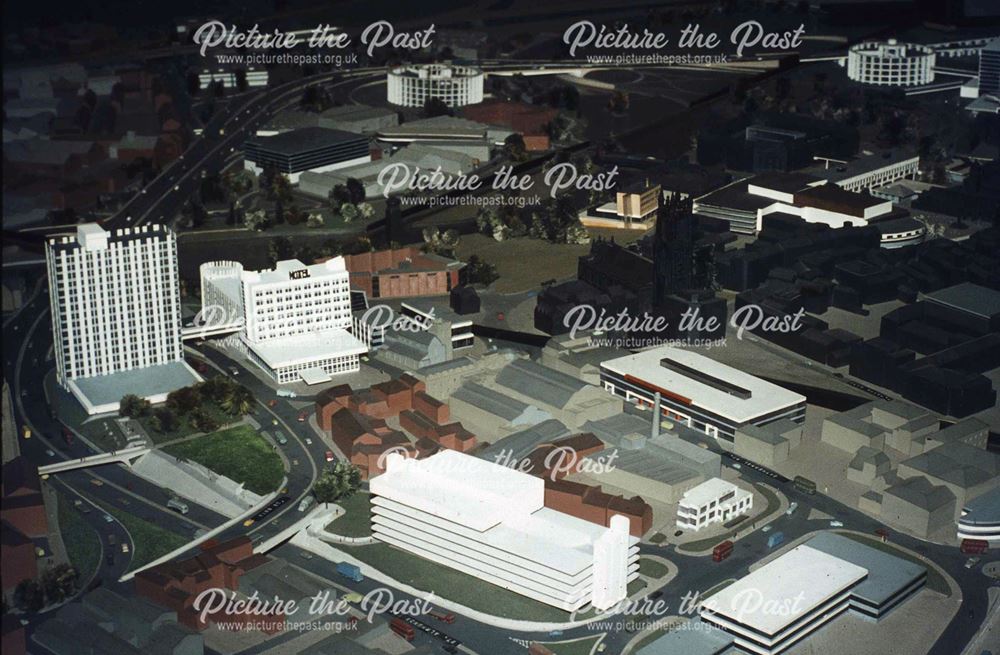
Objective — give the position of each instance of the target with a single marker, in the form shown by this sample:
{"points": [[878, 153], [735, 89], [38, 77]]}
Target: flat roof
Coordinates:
{"points": [[307, 347], [305, 139], [969, 298], [983, 510], [887, 574], [785, 182], [803, 579], [692, 637], [764, 397], [708, 491], [288, 270], [505, 506], [143, 382]]}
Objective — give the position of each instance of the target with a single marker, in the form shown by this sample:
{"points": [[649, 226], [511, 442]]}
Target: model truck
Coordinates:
{"points": [[775, 539], [722, 551], [350, 571]]}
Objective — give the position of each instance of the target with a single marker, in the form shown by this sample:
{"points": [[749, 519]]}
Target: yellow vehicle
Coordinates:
{"points": [[247, 523], [96, 482], [353, 597], [25, 432]]}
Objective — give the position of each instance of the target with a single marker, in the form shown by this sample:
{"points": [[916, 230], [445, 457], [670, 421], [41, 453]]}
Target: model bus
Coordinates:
{"points": [[805, 485], [722, 551], [402, 628], [445, 617], [974, 546]]}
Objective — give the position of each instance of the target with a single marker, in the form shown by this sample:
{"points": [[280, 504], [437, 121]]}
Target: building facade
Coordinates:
{"points": [[296, 319], [115, 302], [890, 63], [315, 149], [456, 86], [490, 521], [699, 392], [712, 501]]}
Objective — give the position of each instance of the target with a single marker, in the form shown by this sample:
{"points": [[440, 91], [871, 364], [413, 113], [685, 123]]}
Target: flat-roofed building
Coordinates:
{"points": [[980, 518], [314, 149], [296, 319], [116, 315], [490, 521], [813, 585], [712, 501], [699, 392]]}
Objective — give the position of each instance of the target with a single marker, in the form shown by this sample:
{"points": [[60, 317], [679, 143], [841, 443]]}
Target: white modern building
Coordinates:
{"points": [[490, 521], [812, 585], [116, 317], [699, 392], [890, 63], [796, 594], [712, 501], [296, 319], [980, 518], [456, 86]]}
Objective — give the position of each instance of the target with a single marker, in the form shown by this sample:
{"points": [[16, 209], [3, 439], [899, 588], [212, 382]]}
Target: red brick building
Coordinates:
{"points": [[176, 585], [531, 121], [592, 504], [23, 506], [403, 273], [19, 561]]}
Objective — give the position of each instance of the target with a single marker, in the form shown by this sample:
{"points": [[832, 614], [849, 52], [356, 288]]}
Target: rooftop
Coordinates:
{"points": [[887, 574], [983, 510], [293, 269], [802, 579], [144, 382], [707, 491], [305, 139], [645, 369], [969, 298], [308, 347]]}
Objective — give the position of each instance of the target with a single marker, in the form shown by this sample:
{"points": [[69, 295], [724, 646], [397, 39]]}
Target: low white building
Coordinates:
{"points": [[490, 521], [712, 501], [296, 319], [890, 63]]}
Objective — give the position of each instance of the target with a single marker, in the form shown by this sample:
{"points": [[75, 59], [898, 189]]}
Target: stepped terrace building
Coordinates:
{"points": [[490, 521]]}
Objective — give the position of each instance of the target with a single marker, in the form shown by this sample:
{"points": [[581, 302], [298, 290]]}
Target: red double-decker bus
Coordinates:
{"points": [[402, 628], [722, 551], [974, 546]]}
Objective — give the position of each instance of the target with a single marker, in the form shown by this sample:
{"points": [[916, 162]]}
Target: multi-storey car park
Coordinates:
{"points": [[700, 392], [490, 521], [456, 86]]}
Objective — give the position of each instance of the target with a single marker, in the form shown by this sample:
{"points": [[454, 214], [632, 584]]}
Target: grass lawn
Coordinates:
{"points": [[356, 521], [184, 427], [935, 581], [655, 634], [548, 260], [454, 585], [83, 544], [239, 453], [658, 538], [149, 541], [652, 568], [576, 647]]}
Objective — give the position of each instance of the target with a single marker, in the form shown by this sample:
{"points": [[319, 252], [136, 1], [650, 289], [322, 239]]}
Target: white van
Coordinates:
{"points": [[177, 505], [306, 503]]}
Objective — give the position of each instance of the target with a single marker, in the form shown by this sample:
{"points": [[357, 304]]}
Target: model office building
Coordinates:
{"points": [[116, 317], [890, 63], [490, 521], [817, 581], [315, 149], [712, 501], [980, 518], [296, 319], [699, 392], [455, 86]]}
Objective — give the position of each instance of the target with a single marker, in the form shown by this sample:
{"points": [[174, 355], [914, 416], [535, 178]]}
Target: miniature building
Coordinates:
{"points": [[288, 339], [818, 580], [116, 315], [980, 518], [761, 445], [891, 63], [700, 392], [403, 272], [867, 465], [712, 501], [456, 86], [917, 505], [497, 528], [315, 149], [176, 585]]}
